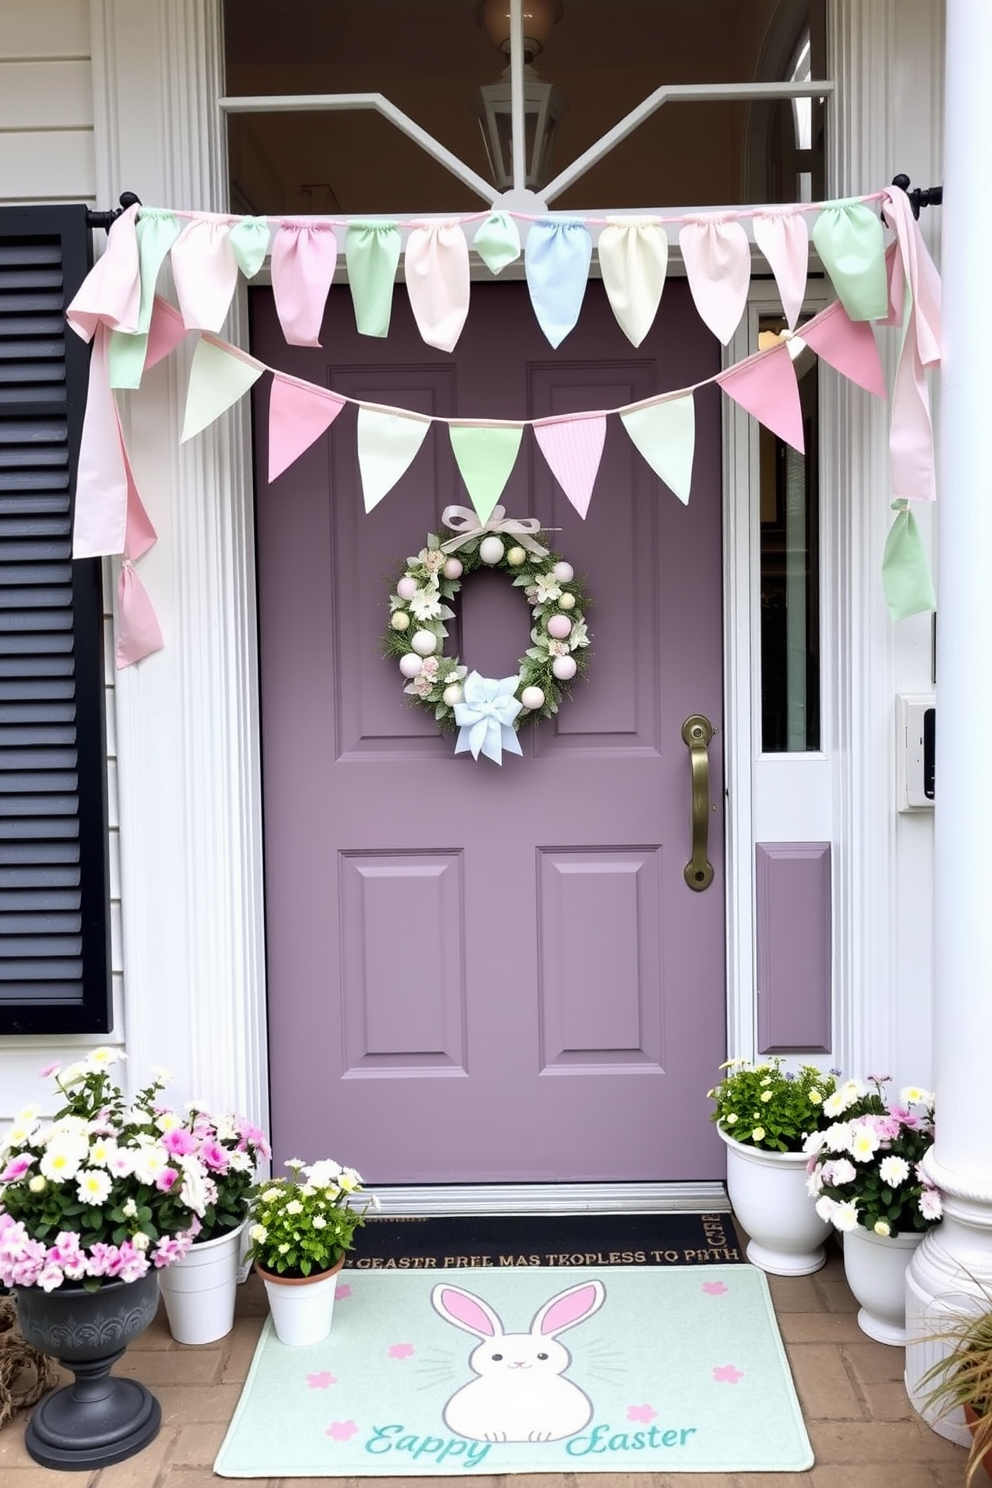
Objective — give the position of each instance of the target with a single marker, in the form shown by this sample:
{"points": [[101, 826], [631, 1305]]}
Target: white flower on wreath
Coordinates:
{"points": [[429, 666], [546, 587], [457, 675], [557, 648], [432, 559], [422, 686], [426, 604], [579, 635]]}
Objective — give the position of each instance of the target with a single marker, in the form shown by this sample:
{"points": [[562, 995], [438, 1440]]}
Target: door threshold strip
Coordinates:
{"points": [[552, 1198]]}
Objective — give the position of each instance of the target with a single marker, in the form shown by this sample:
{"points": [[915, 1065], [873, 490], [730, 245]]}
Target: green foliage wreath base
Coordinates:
{"points": [[428, 610]]}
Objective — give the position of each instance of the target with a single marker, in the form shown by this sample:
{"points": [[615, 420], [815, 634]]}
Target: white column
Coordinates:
{"points": [[187, 724], [961, 1159]]}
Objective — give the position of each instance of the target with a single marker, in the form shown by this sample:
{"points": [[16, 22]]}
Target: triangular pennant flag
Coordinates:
{"points": [[298, 414], [765, 385], [387, 443], [304, 257], [717, 259], [165, 333], [485, 455], [665, 434], [905, 570], [155, 234], [205, 272], [437, 282], [556, 262], [218, 377], [848, 237], [633, 257], [138, 631], [573, 448], [847, 345], [783, 238]]}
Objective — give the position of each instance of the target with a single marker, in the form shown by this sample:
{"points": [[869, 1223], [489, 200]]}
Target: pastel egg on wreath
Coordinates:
{"points": [[566, 601], [453, 568], [452, 694], [516, 556], [532, 698], [559, 626], [424, 642], [407, 587], [400, 620], [410, 664], [564, 668], [564, 573], [491, 550]]}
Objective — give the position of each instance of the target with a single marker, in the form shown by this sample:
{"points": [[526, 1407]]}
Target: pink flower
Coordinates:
{"points": [[321, 1381], [100, 1258], [50, 1069], [727, 1374], [251, 1136], [67, 1254], [16, 1168], [905, 1117], [49, 1277], [166, 1179], [931, 1205], [213, 1156], [170, 1248], [179, 1141]]}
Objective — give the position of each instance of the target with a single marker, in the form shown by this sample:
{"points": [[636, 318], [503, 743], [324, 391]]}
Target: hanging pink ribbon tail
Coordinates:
{"points": [[138, 631], [111, 292], [911, 429]]}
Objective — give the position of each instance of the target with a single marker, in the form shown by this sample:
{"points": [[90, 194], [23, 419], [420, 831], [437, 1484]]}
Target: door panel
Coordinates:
{"points": [[482, 973]]}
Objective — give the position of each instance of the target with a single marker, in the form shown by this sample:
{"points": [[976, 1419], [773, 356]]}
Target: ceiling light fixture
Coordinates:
{"points": [[544, 106]]}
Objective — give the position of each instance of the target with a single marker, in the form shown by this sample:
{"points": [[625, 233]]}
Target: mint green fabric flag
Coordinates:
{"points": [[217, 379], [665, 434], [155, 232], [498, 241], [372, 252], [485, 457], [905, 570], [848, 237], [249, 241]]}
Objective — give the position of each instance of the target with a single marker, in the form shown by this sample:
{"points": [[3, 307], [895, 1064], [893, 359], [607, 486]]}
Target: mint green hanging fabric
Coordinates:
{"points": [[155, 232], [372, 253], [249, 240], [497, 242], [905, 569], [849, 239]]}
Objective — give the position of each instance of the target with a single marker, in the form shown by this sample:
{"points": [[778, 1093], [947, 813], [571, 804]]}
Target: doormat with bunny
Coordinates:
{"points": [[536, 1369]]}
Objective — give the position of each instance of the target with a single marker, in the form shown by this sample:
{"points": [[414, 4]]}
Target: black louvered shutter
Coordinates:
{"points": [[54, 849]]}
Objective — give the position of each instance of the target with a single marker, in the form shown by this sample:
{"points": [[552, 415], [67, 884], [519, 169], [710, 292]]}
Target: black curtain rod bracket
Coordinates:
{"points": [[929, 196], [106, 220]]}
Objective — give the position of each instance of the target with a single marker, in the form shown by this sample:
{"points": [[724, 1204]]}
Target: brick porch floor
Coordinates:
{"points": [[863, 1431]]}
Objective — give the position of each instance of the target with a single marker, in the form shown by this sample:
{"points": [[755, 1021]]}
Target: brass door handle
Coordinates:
{"points": [[697, 732]]}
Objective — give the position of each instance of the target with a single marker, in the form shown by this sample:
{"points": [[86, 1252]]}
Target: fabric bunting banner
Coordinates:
{"points": [[132, 329]]}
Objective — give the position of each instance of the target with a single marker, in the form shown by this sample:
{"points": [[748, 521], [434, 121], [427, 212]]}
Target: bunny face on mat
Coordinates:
{"points": [[519, 1393]]}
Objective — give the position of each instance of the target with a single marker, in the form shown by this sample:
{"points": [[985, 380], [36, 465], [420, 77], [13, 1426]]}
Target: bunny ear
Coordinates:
{"points": [[466, 1311], [569, 1307]]}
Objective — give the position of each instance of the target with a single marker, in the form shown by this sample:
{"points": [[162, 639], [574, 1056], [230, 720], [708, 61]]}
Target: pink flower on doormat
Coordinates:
{"points": [[342, 1291], [401, 1350], [727, 1374], [321, 1381], [715, 1288], [641, 1413], [341, 1430]]}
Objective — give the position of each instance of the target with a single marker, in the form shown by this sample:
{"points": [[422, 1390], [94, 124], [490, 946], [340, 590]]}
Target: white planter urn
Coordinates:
{"points": [[768, 1195], [200, 1290], [302, 1307], [875, 1267]]}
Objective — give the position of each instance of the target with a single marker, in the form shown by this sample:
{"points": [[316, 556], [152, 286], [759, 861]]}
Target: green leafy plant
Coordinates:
{"points": [[764, 1105], [963, 1377], [304, 1224]]}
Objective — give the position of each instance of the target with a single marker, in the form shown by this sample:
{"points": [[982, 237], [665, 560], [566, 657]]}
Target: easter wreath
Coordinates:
{"points": [[418, 609]]}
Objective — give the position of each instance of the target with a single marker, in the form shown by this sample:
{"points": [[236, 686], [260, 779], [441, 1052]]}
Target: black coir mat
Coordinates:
{"points": [[453, 1242]]}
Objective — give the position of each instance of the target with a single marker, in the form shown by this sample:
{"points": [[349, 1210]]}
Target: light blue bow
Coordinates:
{"points": [[485, 717]]}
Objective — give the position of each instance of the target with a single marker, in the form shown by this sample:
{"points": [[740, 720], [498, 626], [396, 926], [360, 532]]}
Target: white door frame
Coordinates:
{"points": [[187, 718]]}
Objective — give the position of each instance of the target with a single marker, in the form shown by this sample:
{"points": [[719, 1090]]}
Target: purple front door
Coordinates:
{"points": [[482, 973]]}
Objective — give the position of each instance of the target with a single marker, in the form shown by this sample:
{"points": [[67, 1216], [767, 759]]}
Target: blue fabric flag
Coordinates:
{"points": [[556, 260]]}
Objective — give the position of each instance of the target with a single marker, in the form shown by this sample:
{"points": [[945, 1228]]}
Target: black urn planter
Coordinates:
{"points": [[99, 1419]]}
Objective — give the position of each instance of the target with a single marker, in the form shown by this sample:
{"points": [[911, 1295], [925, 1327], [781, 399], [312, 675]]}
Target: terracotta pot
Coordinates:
{"points": [[986, 1458], [302, 1306]]}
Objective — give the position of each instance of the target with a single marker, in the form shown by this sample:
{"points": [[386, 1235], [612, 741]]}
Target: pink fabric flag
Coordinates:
{"points": [[166, 331], [206, 273], [783, 238], [765, 385], [849, 345], [138, 631], [101, 479], [139, 534], [573, 449], [717, 259], [437, 282], [111, 292], [914, 296], [304, 257], [299, 413]]}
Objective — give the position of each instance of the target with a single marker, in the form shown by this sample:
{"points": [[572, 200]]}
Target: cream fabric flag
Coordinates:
{"points": [[387, 443], [665, 434], [633, 255]]}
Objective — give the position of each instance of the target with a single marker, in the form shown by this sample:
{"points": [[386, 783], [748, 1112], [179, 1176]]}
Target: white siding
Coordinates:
{"points": [[47, 155]]}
